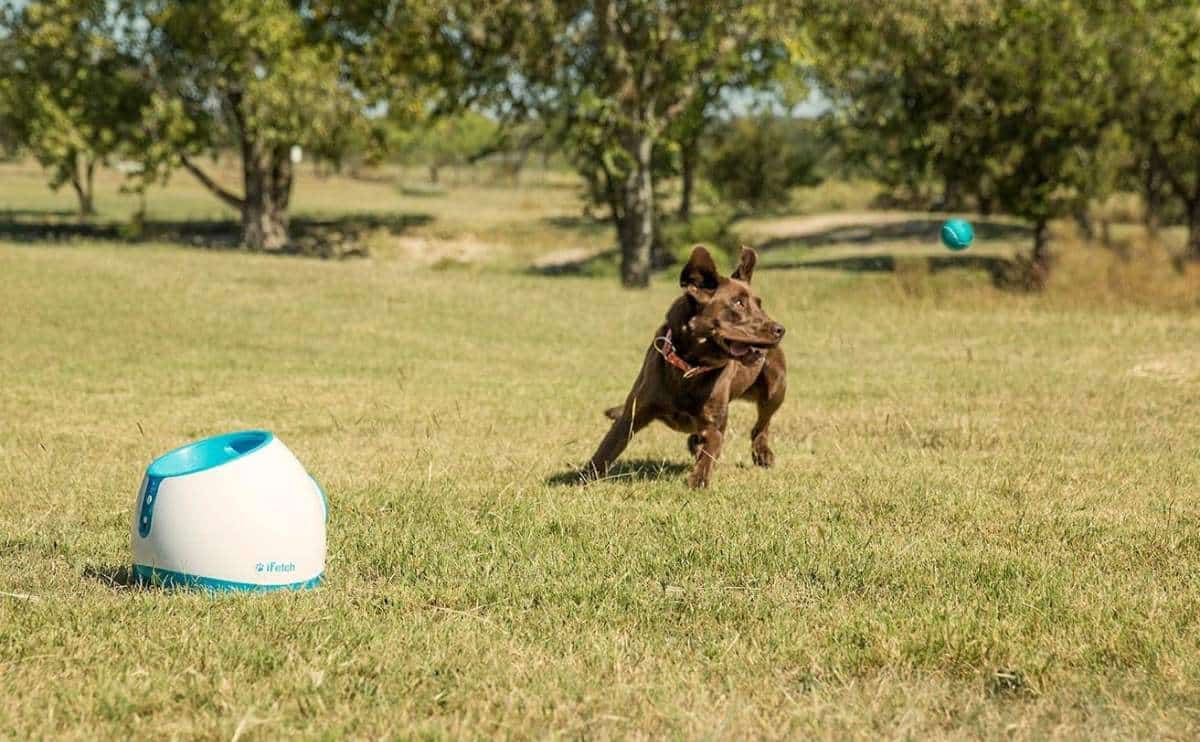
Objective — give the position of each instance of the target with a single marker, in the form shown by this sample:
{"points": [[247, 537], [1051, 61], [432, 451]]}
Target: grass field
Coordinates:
{"points": [[984, 522]]}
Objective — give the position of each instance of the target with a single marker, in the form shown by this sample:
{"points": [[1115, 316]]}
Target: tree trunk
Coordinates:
{"points": [[1083, 219], [267, 174], [1151, 200], [433, 173], [660, 256], [82, 182], [688, 175], [1192, 252], [635, 224], [951, 194], [1040, 268]]}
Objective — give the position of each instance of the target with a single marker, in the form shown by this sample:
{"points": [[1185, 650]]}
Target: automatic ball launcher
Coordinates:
{"points": [[232, 512]]}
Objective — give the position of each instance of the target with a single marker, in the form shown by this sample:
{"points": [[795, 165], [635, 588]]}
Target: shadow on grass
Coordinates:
{"points": [[7, 215], [1011, 273], [908, 230], [579, 223], [997, 267], [325, 238], [582, 262], [633, 470], [115, 576]]}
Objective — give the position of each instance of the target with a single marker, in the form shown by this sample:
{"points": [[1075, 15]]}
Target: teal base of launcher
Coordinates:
{"points": [[166, 578]]}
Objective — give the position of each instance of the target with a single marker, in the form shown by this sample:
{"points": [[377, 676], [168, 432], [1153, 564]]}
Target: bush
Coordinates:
{"points": [[757, 161], [711, 230]]}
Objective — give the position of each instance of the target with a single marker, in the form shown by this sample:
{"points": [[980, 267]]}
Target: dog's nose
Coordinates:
{"points": [[777, 330]]}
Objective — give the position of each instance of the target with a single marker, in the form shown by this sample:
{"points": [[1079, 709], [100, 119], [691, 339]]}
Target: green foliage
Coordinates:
{"points": [[1007, 102], [69, 94], [10, 138], [444, 141], [897, 84], [612, 79], [260, 71], [755, 162], [1158, 89], [261, 78], [712, 229], [1050, 71]]}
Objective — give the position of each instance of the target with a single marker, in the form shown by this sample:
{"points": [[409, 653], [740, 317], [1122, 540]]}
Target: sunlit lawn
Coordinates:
{"points": [[984, 521]]}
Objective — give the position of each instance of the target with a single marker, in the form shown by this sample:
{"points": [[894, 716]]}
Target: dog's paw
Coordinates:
{"points": [[589, 473], [697, 480], [763, 457], [694, 441]]}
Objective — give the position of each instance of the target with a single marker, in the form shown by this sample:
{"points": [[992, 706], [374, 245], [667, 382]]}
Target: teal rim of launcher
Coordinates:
{"points": [[196, 457], [165, 578], [208, 453]]}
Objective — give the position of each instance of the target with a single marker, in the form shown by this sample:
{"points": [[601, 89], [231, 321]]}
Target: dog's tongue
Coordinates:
{"points": [[738, 349]]}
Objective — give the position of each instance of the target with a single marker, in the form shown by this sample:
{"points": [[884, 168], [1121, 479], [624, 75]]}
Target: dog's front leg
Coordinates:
{"points": [[712, 438], [710, 433]]}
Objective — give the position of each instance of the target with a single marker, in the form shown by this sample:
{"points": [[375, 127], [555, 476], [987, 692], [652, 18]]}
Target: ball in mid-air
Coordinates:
{"points": [[957, 234]]}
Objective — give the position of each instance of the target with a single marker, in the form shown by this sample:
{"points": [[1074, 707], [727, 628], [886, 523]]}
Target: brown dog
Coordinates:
{"points": [[717, 344]]}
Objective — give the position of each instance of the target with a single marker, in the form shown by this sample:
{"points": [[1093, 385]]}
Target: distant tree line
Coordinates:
{"points": [[1037, 108]]}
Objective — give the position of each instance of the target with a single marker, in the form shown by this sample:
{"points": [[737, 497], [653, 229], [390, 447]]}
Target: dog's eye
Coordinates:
{"points": [[740, 303]]}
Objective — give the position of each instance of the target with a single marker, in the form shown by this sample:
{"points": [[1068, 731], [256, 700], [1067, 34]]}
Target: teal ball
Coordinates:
{"points": [[957, 234]]}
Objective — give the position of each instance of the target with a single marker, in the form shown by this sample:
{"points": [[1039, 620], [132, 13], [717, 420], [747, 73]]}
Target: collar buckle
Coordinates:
{"points": [[666, 349]]}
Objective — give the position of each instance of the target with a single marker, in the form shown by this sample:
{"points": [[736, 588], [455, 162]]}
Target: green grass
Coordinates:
{"points": [[984, 521]]}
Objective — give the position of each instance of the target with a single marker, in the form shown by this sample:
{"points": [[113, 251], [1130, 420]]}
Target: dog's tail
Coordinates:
{"points": [[614, 413]]}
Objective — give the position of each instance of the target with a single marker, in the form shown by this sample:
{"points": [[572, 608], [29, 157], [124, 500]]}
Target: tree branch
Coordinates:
{"points": [[211, 184]]}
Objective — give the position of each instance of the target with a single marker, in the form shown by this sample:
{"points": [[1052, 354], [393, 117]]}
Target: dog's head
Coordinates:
{"points": [[728, 316]]}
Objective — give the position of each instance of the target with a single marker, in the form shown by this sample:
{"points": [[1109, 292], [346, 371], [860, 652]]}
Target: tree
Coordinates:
{"points": [[768, 72], [688, 132], [1155, 48], [901, 93], [1052, 71], [1024, 125], [260, 76], [611, 77], [69, 94]]}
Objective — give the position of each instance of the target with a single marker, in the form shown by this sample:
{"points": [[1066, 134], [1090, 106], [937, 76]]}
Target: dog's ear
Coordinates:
{"points": [[699, 277], [746, 263]]}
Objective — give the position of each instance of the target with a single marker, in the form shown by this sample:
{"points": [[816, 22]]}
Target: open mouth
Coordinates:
{"points": [[743, 350]]}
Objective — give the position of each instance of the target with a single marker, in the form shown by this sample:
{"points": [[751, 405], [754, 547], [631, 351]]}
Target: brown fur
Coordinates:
{"points": [[711, 324]]}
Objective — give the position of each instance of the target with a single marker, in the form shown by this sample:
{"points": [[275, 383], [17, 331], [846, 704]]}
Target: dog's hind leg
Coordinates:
{"points": [[632, 419]]}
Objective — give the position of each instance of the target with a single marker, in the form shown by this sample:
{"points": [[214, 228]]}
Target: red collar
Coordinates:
{"points": [[666, 349]]}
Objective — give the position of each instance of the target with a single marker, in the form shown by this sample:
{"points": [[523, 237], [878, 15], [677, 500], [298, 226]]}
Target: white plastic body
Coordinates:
{"points": [[256, 520]]}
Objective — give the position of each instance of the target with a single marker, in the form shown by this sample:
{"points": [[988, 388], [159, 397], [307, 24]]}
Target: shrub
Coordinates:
{"points": [[710, 229], [757, 161]]}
